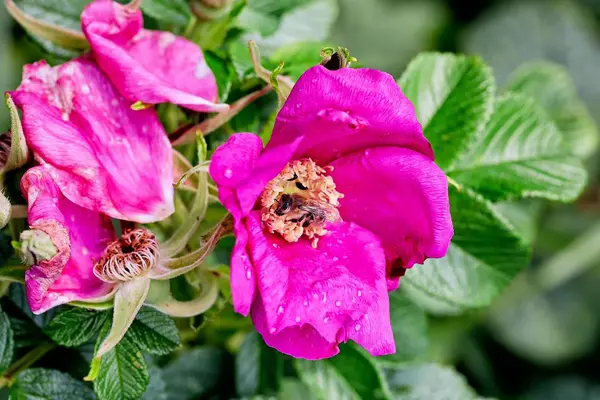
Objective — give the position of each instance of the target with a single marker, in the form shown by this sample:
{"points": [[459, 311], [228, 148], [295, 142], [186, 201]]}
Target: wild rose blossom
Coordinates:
{"points": [[103, 155], [148, 66], [331, 212], [79, 237]]}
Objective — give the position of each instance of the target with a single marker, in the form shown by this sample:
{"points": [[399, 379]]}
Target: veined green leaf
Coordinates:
{"points": [[73, 327], [453, 97], [47, 384], [257, 367], [154, 331], [553, 88], [176, 12], [6, 342], [520, 154], [486, 253]]}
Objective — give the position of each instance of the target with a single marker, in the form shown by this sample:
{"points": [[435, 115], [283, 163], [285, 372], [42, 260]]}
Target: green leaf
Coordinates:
{"points": [[6, 342], [47, 384], [429, 382], [552, 87], [73, 327], [157, 388], [292, 27], [18, 147], [453, 97], [123, 373], [293, 389], [57, 21], [520, 154], [523, 215], [298, 57], [224, 73], [486, 253], [154, 331], [176, 12], [194, 374], [352, 374], [409, 324], [258, 368]]}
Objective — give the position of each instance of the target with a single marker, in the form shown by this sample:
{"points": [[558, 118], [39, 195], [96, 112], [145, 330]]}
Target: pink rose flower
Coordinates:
{"points": [[328, 216], [79, 237], [103, 155], [148, 66]]}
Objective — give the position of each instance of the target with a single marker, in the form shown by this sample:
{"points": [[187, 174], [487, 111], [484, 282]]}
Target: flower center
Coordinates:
{"points": [[134, 254], [300, 201]]}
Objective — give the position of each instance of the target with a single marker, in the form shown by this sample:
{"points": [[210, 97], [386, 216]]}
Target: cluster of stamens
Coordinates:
{"points": [[301, 200], [131, 256]]}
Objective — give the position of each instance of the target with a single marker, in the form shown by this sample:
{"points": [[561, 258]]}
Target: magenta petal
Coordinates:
{"points": [[402, 197], [309, 293], [149, 66], [101, 154], [79, 234], [339, 112]]}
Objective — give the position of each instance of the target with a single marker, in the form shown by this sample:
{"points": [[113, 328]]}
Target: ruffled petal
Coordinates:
{"points": [[80, 236], [149, 66], [339, 112], [101, 154], [323, 293], [402, 197]]}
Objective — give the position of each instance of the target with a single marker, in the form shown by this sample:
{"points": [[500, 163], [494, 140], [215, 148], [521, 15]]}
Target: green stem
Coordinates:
{"points": [[24, 362]]}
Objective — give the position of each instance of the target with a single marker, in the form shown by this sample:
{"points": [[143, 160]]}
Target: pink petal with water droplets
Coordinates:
{"points": [[402, 197], [101, 154], [149, 66], [322, 292], [80, 236], [339, 112]]}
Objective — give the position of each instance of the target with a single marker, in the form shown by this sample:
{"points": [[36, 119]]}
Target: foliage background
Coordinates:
{"points": [[540, 339]]}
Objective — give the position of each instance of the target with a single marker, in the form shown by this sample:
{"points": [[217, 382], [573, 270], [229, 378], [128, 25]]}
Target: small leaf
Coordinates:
{"points": [[409, 324], [154, 332], [6, 342], [73, 327], [194, 374], [520, 154], [52, 20], [122, 372], [551, 86], [258, 368], [429, 382], [129, 299], [48, 384], [18, 148], [176, 12], [486, 253], [352, 374], [453, 97]]}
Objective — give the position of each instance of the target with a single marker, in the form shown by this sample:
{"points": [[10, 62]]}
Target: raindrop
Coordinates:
{"points": [[340, 241], [272, 330], [297, 318], [305, 303], [357, 327], [248, 274], [228, 173], [359, 293], [325, 320], [338, 303], [85, 89], [280, 310], [335, 258]]}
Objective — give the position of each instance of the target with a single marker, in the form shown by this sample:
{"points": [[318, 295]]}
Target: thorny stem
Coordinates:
{"points": [[24, 362]]}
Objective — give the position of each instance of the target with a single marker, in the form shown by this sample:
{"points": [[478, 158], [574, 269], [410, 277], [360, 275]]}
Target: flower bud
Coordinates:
{"points": [[36, 246], [208, 10]]}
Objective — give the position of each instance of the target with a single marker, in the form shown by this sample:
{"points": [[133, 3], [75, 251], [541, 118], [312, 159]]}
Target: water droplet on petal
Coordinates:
{"points": [[335, 258], [297, 319], [280, 310], [305, 303], [338, 303], [325, 320], [367, 317], [357, 327], [85, 89], [272, 330], [248, 274], [340, 241], [359, 293], [228, 173]]}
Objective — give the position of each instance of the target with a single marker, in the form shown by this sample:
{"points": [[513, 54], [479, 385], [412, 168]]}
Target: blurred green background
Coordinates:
{"points": [[541, 339]]}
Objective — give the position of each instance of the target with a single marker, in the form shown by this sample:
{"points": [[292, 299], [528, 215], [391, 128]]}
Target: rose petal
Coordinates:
{"points": [[402, 197], [79, 234], [103, 155], [149, 66], [339, 112], [328, 289]]}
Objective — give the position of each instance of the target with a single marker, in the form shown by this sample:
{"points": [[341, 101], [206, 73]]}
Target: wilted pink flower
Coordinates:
{"points": [[345, 195], [148, 66], [103, 155], [79, 236]]}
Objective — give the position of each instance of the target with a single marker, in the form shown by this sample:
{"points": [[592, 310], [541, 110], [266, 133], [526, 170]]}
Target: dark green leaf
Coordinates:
{"points": [[123, 371], [154, 331], [47, 384], [453, 97], [258, 368], [6, 342], [194, 374], [223, 72], [409, 324], [18, 296], [486, 253], [429, 382], [73, 327], [176, 12], [157, 388], [351, 374], [520, 154]]}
